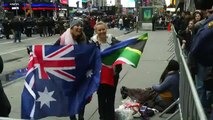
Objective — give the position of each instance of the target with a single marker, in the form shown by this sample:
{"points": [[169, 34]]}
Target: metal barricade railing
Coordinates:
{"points": [[189, 103]]}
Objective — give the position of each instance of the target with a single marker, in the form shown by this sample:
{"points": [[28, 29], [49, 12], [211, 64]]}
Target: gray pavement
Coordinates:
{"points": [[152, 64]]}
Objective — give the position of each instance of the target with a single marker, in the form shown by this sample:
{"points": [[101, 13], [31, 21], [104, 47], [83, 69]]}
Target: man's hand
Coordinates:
{"points": [[183, 44]]}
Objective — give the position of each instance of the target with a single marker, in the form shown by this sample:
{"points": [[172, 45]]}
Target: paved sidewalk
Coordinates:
{"points": [[152, 64]]}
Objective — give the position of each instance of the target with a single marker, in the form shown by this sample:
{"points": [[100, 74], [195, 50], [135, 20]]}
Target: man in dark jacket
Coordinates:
{"points": [[154, 19], [17, 28], [28, 24], [7, 28], [5, 106], [88, 30]]}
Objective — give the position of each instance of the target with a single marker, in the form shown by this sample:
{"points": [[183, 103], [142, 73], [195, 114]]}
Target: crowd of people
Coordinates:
{"points": [[161, 21], [187, 26], [44, 26], [48, 26]]}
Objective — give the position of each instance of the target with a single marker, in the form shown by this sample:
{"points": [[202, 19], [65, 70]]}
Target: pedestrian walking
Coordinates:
{"points": [[120, 22], [17, 29], [7, 28]]}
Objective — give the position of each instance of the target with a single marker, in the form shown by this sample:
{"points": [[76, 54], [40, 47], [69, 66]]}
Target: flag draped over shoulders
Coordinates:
{"points": [[126, 52], [59, 80]]}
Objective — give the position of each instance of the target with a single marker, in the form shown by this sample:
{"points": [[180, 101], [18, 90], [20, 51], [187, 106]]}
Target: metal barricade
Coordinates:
{"points": [[189, 103]]}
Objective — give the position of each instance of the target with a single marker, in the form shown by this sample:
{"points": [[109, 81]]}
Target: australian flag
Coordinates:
{"points": [[59, 80]]}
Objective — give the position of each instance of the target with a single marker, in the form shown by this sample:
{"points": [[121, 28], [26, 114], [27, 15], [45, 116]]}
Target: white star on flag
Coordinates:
{"points": [[89, 73], [45, 97]]}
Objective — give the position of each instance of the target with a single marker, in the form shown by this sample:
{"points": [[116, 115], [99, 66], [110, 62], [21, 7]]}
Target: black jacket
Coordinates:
{"points": [[5, 106]]}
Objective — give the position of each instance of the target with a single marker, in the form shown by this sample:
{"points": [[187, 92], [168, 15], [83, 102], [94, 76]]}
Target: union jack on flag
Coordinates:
{"points": [[59, 80], [54, 62]]}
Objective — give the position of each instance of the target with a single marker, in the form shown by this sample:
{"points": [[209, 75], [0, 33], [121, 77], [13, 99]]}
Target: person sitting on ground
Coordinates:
{"points": [[159, 96]]}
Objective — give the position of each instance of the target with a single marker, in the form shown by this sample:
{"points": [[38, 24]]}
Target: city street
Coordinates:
{"points": [[152, 63]]}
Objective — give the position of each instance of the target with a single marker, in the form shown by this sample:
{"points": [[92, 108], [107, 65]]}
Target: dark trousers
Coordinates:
{"points": [[28, 32], [7, 36], [50, 31], [45, 30], [5, 106], [17, 36], [153, 26], [106, 99]]}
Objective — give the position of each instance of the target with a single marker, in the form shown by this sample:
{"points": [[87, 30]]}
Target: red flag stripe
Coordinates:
{"points": [[65, 74], [46, 63], [59, 51]]}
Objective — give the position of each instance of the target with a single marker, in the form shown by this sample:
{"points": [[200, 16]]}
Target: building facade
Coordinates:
{"points": [[34, 8]]}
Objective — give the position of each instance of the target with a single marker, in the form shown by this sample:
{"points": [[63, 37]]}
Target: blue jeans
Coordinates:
{"points": [[201, 90]]}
